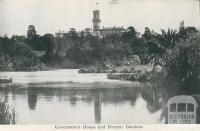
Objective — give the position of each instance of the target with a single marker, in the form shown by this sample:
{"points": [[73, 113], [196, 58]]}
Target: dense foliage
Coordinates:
{"points": [[180, 61], [16, 55], [71, 51]]}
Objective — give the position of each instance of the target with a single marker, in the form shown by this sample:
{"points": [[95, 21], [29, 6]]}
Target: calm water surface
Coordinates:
{"points": [[69, 106]]}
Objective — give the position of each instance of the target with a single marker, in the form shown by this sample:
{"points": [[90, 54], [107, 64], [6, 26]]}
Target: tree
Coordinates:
{"points": [[167, 38], [73, 34], [33, 40], [186, 32], [147, 34], [159, 45], [184, 63], [31, 32], [74, 53], [130, 35], [18, 38], [155, 53], [49, 42]]}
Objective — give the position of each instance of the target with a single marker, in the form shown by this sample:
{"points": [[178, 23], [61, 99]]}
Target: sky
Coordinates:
{"points": [[49, 16]]}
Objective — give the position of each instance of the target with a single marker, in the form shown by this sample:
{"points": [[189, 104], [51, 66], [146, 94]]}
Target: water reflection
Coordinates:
{"points": [[115, 105], [73, 100], [97, 108], [84, 105], [32, 98]]}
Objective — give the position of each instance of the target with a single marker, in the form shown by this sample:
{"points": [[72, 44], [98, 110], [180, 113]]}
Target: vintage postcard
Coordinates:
{"points": [[99, 64]]}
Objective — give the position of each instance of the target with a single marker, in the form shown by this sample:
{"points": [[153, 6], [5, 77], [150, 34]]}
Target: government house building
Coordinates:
{"points": [[96, 30]]}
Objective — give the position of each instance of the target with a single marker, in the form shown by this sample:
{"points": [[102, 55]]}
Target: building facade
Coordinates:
{"points": [[111, 30], [96, 30], [60, 34]]}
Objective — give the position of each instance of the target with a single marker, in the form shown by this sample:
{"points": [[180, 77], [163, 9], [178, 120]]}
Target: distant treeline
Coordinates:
{"points": [[73, 50]]}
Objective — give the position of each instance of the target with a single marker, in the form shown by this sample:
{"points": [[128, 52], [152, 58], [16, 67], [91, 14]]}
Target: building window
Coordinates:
{"points": [[173, 107], [190, 107], [181, 107]]}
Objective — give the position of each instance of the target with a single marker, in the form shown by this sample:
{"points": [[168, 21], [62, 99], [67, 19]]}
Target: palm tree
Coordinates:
{"points": [[160, 46], [154, 54], [168, 39]]}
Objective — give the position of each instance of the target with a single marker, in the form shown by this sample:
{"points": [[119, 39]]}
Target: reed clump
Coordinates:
{"points": [[7, 112]]}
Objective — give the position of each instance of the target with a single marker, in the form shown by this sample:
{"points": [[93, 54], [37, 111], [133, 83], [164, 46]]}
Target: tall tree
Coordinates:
{"points": [[31, 32], [49, 41]]}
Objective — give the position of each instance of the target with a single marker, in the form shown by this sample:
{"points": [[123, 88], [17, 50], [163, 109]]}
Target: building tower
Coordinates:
{"points": [[96, 20]]}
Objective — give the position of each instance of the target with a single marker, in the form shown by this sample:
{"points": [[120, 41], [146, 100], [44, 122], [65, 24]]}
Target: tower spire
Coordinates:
{"points": [[96, 19]]}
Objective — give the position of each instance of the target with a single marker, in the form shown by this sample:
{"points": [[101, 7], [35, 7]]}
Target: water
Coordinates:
{"points": [[74, 106], [54, 76]]}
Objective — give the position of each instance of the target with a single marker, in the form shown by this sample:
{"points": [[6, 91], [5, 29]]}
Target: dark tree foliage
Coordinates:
{"points": [[83, 49], [16, 55], [31, 32], [184, 64], [179, 55]]}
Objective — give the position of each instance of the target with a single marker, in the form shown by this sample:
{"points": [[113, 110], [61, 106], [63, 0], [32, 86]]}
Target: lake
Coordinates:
{"points": [[79, 106]]}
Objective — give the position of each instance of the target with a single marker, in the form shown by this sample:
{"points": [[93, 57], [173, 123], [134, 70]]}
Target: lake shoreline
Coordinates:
{"points": [[81, 85], [66, 79]]}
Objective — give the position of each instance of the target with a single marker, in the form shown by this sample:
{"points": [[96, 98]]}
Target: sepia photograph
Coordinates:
{"points": [[74, 62]]}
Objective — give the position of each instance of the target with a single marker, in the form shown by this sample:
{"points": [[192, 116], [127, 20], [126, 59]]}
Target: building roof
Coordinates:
{"points": [[182, 99], [112, 28]]}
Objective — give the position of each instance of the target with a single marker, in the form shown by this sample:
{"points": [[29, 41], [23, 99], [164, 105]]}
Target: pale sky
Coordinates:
{"points": [[49, 16]]}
